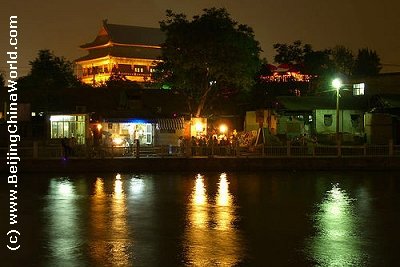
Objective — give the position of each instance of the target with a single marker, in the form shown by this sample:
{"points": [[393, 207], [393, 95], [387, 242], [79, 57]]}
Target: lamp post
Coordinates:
{"points": [[337, 83]]}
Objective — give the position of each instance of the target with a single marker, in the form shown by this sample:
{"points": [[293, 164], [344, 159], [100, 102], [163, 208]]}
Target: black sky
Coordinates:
{"points": [[62, 26]]}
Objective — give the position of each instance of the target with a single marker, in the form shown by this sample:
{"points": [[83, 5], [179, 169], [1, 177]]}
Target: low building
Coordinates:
{"points": [[381, 84], [154, 117], [382, 123], [69, 126], [316, 116]]}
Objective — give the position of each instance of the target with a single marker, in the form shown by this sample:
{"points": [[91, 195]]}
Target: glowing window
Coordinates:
{"points": [[68, 126], [358, 89]]}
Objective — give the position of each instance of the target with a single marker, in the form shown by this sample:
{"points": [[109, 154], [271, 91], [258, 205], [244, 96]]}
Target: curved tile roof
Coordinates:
{"points": [[127, 35]]}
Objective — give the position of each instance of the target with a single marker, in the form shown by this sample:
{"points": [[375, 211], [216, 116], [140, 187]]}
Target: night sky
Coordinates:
{"points": [[62, 26]]}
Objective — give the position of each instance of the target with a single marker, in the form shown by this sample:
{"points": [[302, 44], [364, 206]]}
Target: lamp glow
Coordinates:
{"points": [[118, 141], [199, 127], [337, 83], [223, 128]]}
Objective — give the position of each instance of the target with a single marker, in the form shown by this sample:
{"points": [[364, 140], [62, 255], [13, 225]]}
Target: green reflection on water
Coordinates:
{"points": [[336, 242], [63, 222]]}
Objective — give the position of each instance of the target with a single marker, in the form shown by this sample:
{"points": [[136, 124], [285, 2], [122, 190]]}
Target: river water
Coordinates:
{"points": [[206, 219]]}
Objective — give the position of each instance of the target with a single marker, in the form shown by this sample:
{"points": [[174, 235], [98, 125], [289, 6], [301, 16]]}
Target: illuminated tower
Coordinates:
{"points": [[128, 51]]}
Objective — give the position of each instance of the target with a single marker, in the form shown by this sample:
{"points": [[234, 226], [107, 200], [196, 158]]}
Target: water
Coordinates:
{"points": [[209, 219]]}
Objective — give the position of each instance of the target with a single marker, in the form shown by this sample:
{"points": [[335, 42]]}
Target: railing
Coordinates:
{"points": [[51, 152]]}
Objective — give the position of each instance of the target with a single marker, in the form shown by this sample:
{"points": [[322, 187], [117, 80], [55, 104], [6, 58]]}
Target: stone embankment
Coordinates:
{"points": [[205, 164]]}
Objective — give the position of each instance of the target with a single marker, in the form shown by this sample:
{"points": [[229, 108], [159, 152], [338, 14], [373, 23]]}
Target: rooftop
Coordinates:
{"points": [[126, 35], [309, 103]]}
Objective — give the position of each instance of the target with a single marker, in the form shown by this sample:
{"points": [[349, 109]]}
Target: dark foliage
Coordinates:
{"points": [[207, 57]]}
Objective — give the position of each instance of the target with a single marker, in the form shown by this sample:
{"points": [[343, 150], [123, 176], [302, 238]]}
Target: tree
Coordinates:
{"points": [[342, 59], [292, 53], [303, 57], [207, 56], [49, 72], [316, 62], [367, 63]]}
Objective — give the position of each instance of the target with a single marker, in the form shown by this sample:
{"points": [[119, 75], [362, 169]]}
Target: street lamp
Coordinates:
{"points": [[337, 83]]}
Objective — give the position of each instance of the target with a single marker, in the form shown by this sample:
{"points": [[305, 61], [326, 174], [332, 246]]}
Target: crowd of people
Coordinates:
{"points": [[208, 145]]}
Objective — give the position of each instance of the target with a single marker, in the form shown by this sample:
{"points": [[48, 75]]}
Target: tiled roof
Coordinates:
{"points": [[129, 35], [309, 103], [386, 101]]}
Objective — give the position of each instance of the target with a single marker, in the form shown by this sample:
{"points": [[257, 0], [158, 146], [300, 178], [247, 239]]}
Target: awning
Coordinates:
{"points": [[170, 124]]}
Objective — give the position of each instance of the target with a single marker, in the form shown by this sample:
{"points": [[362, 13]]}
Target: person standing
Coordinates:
{"points": [[65, 147], [180, 145]]}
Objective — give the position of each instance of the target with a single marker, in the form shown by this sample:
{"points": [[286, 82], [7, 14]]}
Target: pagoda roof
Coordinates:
{"points": [[126, 35], [122, 51]]}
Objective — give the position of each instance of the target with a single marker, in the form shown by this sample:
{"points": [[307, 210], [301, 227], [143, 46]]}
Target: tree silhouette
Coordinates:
{"points": [[49, 72], [291, 53], [342, 59], [207, 56], [367, 63]]}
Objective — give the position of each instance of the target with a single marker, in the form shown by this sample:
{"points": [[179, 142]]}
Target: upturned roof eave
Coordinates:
{"points": [[87, 58], [111, 43]]}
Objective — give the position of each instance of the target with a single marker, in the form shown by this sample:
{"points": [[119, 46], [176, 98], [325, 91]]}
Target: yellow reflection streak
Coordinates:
{"points": [[224, 213], [108, 226], [199, 201], [197, 234], [118, 192], [227, 235], [336, 243], [199, 195], [224, 197], [210, 238], [119, 250], [98, 224]]}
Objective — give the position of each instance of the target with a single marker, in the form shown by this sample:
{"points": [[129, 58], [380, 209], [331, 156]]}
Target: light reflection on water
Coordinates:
{"points": [[119, 244], [337, 241], [64, 237], [98, 222], [211, 219], [109, 228], [210, 237]]}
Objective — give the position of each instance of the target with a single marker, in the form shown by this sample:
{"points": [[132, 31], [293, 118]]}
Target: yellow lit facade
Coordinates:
{"points": [[131, 52], [69, 126], [198, 127]]}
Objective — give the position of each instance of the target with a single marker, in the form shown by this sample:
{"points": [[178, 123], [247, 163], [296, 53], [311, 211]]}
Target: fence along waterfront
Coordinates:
{"points": [[81, 151]]}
